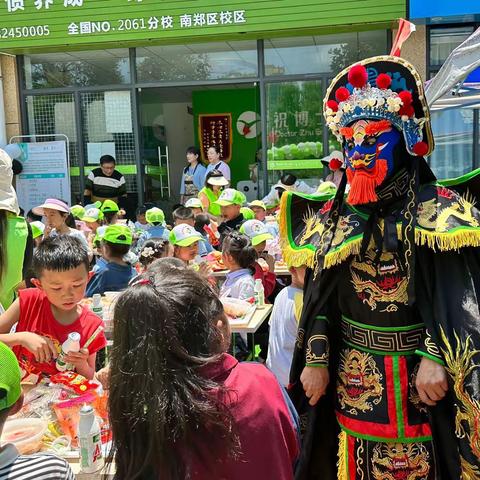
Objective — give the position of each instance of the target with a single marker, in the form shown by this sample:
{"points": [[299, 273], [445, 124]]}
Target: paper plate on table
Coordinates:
{"points": [[239, 312]]}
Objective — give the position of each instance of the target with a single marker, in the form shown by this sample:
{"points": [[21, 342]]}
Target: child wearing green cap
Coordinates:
{"points": [[230, 201], [41, 466], [156, 220], [115, 274]]}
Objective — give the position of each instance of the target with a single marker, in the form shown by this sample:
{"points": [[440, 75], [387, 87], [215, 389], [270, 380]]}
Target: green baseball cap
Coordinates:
{"points": [[230, 196], [119, 234], [256, 231], [37, 229], [248, 213], [77, 211], [109, 206], [184, 235], [154, 215], [10, 377], [92, 215]]}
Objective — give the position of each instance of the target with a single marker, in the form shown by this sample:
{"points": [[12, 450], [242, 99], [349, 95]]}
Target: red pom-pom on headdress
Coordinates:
{"points": [[335, 164], [357, 76], [420, 149], [384, 81], [406, 97], [333, 105], [407, 110], [342, 94]]}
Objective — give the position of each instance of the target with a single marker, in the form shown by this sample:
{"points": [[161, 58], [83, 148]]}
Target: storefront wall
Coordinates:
{"points": [[91, 94], [456, 129]]}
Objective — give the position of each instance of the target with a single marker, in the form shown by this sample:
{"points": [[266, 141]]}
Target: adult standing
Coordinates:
{"points": [[105, 182], [16, 242], [193, 175], [216, 163]]}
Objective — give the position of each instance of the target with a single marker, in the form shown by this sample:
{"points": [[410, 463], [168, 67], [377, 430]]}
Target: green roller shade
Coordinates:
{"points": [[28, 25]]}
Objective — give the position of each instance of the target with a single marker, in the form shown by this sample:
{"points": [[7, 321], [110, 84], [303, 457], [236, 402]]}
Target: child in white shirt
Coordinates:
{"points": [[284, 325], [238, 256]]}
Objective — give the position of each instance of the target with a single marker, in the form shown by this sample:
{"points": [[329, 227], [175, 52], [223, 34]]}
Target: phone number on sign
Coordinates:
{"points": [[18, 32]]}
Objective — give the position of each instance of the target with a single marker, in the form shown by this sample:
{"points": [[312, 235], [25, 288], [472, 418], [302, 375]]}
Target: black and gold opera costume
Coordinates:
{"points": [[389, 281]]}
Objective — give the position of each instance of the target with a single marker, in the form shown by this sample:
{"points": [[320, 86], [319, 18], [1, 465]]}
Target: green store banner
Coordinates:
{"points": [[28, 25]]}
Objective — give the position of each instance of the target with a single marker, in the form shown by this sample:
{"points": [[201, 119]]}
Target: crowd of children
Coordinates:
{"points": [[86, 250]]}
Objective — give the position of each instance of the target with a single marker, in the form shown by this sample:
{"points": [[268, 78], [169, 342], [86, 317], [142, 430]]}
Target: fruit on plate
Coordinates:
{"points": [[215, 261]]}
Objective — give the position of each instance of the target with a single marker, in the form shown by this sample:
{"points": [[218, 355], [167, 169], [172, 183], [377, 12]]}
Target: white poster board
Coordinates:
{"points": [[45, 174], [95, 150], [118, 112]]}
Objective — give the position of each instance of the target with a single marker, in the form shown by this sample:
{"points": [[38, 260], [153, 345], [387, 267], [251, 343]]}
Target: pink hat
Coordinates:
{"points": [[53, 204]]}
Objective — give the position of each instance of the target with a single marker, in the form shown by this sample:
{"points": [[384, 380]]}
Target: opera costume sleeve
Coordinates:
{"points": [[448, 286]]}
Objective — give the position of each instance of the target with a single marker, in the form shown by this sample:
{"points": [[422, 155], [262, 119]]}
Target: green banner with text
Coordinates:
{"points": [[27, 25]]}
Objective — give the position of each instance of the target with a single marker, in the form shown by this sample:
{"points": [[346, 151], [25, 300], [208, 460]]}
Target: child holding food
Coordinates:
{"points": [[46, 315], [41, 466], [114, 275], [238, 256]]}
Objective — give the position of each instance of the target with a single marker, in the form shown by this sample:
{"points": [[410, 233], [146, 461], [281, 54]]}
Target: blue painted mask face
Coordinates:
{"points": [[369, 147]]}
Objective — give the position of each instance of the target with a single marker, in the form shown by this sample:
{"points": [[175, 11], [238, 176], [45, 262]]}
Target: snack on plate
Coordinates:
{"points": [[235, 308], [74, 381], [215, 260]]}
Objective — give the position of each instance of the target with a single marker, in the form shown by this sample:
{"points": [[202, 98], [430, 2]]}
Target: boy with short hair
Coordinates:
{"points": [[41, 466], [141, 220], [46, 315], [183, 215], [231, 202], [116, 273], [286, 313]]}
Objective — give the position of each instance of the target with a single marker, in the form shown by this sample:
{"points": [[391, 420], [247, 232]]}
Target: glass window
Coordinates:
{"points": [[295, 130], [453, 133], [107, 127], [323, 53], [201, 61], [443, 41], [55, 115], [67, 69]]}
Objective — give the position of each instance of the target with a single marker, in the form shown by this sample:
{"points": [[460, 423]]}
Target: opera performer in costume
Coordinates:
{"points": [[386, 369]]}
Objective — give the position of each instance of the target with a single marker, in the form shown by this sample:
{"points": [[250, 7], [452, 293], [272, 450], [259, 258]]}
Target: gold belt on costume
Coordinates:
{"points": [[382, 340]]}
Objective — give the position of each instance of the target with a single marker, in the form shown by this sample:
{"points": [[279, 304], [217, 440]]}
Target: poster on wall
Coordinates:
{"points": [[45, 174], [216, 130]]}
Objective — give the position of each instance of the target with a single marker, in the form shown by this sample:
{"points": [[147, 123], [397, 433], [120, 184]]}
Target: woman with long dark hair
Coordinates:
{"points": [[180, 407], [16, 242]]}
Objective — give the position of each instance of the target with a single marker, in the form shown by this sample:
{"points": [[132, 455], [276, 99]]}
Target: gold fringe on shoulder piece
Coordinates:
{"points": [[342, 463], [344, 251], [453, 240], [293, 257]]}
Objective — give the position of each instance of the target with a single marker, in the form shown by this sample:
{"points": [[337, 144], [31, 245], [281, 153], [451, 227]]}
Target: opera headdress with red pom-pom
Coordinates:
{"points": [[377, 88]]}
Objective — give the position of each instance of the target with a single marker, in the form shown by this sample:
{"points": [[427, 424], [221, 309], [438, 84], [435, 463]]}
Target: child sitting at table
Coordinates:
{"points": [[185, 240], [284, 326], [195, 205], [258, 234], [179, 406], [114, 275], [46, 315], [153, 250], [238, 255], [41, 466], [156, 219]]}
